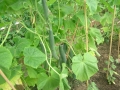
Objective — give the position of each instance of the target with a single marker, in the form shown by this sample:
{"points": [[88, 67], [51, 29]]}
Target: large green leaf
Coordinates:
{"points": [[33, 57], [84, 66], [42, 80], [5, 57], [48, 83], [92, 5]]}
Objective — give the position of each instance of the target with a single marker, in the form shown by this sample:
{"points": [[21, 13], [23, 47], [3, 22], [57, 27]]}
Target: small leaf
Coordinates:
{"points": [[31, 81], [92, 5], [33, 57], [5, 57], [31, 72], [67, 9], [113, 66], [64, 72], [92, 86], [80, 15], [111, 59], [50, 2], [111, 72], [94, 32], [61, 87]]}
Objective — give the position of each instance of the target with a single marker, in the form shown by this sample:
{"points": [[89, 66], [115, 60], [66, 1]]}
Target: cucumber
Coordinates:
{"points": [[62, 54], [45, 7], [52, 44]]}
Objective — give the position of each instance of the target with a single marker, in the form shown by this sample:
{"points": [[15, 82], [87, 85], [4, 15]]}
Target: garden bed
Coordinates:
{"points": [[100, 77]]}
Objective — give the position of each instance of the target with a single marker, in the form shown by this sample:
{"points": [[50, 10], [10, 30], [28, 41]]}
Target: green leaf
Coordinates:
{"points": [[33, 57], [116, 2], [92, 43], [94, 32], [67, 9], [61, 87], [48, 83], [31, 81], [63, 84], [17, 5], [5, 57], [21, 43], [92, 86], [92, 5], [80, 15], [7, 74], [84, 66], [51, 84], [50, 2], [66, 84], [13, 76], [69, 24], [31, 72], [64, 72], [42, 80], [111, 72]]}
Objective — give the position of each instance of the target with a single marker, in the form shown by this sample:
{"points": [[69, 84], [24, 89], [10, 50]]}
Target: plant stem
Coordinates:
{"points": [[86, 29], [58, 14], [111, 39], [6, 35], [86, 26], [118, 45], [7, 80]]}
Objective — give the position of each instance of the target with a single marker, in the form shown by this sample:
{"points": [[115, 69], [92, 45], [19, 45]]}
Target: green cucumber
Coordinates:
{"points": [[45, 7], [52, 44], [62, 54]]}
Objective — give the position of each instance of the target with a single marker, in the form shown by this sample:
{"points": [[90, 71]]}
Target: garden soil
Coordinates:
{"points": [[100, 77]]}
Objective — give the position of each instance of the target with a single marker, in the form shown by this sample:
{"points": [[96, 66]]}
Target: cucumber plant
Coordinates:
{"points": [[54, 40]]}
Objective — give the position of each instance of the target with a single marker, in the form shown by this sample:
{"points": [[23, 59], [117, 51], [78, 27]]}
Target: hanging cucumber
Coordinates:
{"points": [[65, 47], [71, 54], [51, 36], [62, 54], [45, 7]]}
